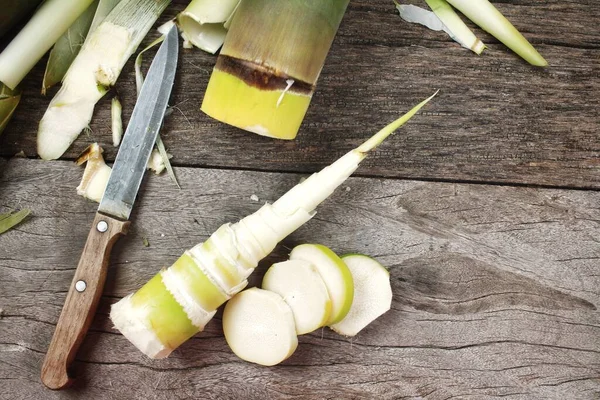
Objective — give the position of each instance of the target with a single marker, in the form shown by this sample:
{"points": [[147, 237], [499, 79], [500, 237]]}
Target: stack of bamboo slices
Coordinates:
{"points": [[313, 289]]}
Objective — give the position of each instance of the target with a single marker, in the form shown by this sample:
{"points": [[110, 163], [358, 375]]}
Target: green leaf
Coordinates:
{"points": [[9, 99], [12, 219]]}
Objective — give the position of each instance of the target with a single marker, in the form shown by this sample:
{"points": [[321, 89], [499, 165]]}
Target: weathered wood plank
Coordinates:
{"points": [[496, 289], [496, 119]]}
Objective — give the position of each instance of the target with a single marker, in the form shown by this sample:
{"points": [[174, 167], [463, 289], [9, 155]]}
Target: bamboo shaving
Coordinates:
{"points": [[165, 156], [96, 174], [156, 162], [116, 121]]}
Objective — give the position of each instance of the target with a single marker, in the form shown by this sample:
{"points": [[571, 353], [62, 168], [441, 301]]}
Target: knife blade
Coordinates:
{"points": [[111, 220]]}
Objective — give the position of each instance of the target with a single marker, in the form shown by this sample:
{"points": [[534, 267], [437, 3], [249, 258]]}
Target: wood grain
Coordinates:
{"points": [[496, 289], [496, 119]]}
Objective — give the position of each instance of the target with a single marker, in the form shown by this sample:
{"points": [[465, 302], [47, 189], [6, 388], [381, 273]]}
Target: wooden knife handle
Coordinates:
{"points": [[82, 300]]}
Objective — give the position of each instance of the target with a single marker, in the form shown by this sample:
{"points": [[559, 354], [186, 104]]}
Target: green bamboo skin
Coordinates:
{"points": [[9, 100], [229, 99], [198, 285], [290, 37], [165, 315], [270, 62]]}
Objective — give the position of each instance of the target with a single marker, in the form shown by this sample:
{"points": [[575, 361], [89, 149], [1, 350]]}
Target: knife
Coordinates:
{"points": [[111, 220]]}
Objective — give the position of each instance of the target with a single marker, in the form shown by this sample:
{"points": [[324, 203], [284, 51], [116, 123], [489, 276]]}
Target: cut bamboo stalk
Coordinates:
{"points": [[268, 67]]}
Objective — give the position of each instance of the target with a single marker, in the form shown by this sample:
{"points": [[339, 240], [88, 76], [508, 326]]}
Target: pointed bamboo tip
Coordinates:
{"points": [[389, 129], [538, 61]]}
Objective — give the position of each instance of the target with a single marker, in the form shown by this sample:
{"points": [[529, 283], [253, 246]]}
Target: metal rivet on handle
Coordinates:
{"points": [[102, 226], [80, 286]]}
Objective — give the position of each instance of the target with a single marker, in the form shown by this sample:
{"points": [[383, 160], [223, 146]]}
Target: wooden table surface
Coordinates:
{"points": [[485, 208]]}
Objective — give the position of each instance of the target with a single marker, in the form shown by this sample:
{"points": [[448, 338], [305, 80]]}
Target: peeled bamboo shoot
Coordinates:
{"points": [[212, 272], [94, 70]]}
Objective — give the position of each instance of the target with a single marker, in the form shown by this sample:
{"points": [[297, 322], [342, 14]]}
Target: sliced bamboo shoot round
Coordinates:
{"points": [[372, 294], [259, 327], [303, 289], [335, 274]]}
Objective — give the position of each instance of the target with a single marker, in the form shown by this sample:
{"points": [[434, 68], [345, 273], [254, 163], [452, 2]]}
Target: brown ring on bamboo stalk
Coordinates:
{"points": [[261, 76]]}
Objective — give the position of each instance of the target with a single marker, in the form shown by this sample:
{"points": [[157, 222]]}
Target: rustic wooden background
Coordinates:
{"points": [[485, 208]]}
